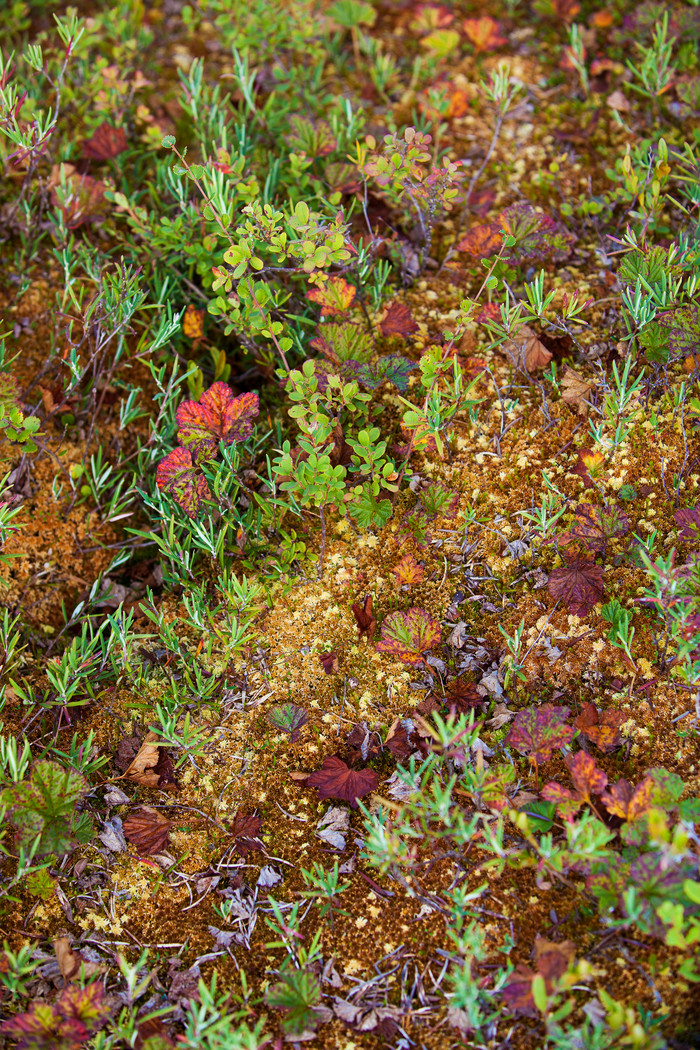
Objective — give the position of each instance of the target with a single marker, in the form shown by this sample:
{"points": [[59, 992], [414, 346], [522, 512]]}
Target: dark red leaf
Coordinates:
{"points": [[178, 475], [106, 142], [580, 583], [329, 662], [217, 416], [398, 320], [147, 829], [336, 780], [366, 621], [245, 829]]}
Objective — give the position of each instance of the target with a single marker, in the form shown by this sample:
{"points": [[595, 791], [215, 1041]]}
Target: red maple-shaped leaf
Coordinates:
{"points": [[407, 572], [148, 829], [178, 475], [602, 728], [538, 731], [398, 320], [408, 635], [334, 296], [336, 780], [245, 829], [365, 618], [629, 802], [217, 416], [483, 33], [105, 143], [579, 583]]}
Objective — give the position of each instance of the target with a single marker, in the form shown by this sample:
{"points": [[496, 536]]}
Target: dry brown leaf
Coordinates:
{"points": [[575, 390], [618, 102], [148, 829], [142, 769], [72, 964], [527, 350], [501, 716]]}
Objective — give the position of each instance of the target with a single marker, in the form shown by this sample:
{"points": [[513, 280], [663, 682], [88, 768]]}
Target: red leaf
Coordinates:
{"points": [[336, 780], [245, 830], [587, 777], [334, 296], [538, 731], [594, 527], [580, 583], [366, 621], [482, 241], [329, 662], [398, 320], [105, 143], [147, 829], [408, 635], [517, 992], [217, 416], [178, 475]]}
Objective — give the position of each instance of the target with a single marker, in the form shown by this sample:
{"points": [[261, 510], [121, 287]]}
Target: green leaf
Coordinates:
{"points": [[45, 806], [297, 993], [168, 141]]}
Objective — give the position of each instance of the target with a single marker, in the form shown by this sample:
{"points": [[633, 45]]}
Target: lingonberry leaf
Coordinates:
{"points": [[398, 320], [601, 728], [538, 731], [393, 368], [288, 718], [407, 572], [148, 829], [408, 635], [334, 296], [105, 142], [689, 520], [178, 475], [483, 33], [245, 829], [365, 619], [629, 802], [579, 583], [335, 779], [217, 416]]}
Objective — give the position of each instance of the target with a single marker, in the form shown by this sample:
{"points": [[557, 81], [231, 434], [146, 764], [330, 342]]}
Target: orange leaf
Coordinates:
{"points": [[335, 296], [482, 241], [483, 33], [193, 323], [629, 802]]}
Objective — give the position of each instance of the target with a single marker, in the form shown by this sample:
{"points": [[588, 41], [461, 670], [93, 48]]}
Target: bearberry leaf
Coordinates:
{"points": [[148, 829], [178, 475], [408, 635], [538, 731], [398, 320], [579, 583], [336, 780], [334, 296], [218, 416], [629, 802]]}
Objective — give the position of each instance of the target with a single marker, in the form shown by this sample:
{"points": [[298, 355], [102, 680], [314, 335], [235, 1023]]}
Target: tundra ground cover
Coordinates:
{"points": [[350, 623]]}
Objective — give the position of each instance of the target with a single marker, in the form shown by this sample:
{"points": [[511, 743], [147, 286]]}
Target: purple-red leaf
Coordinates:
{"points": [[178, 475], [217, 416], [538, 731], [398, 320], [106, 142], [336, 780], [580, 583], [408, 635], [689, 520]]}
